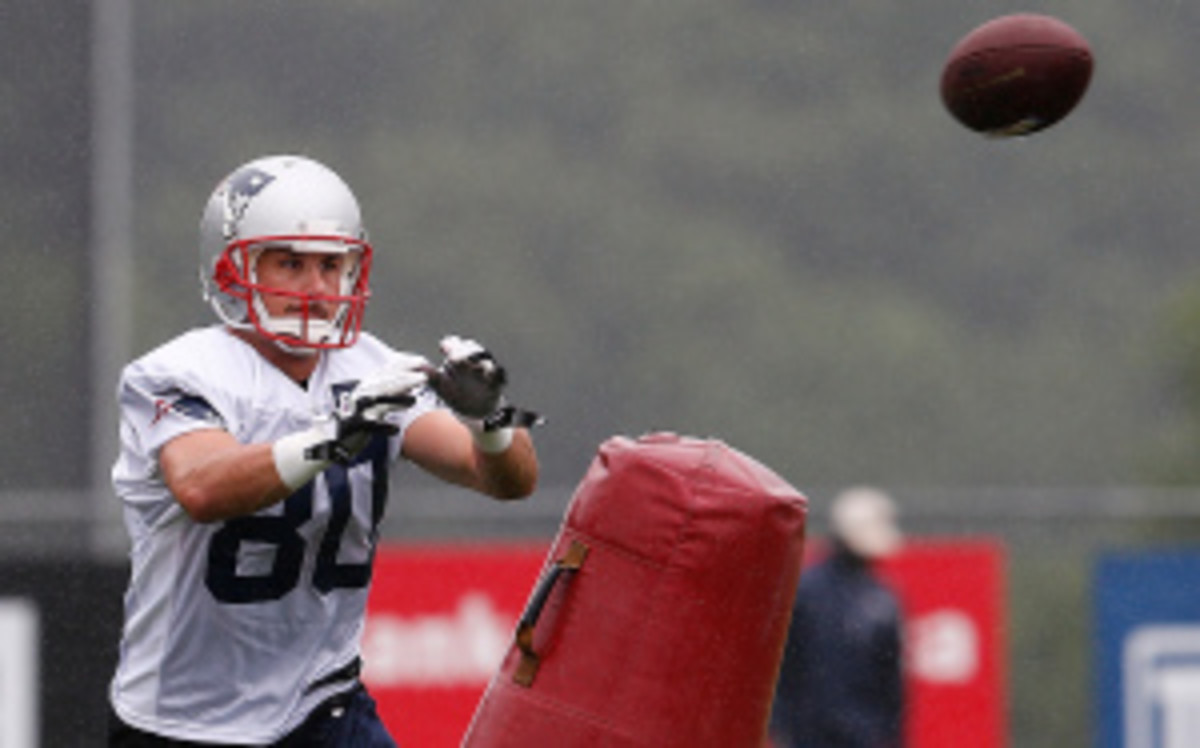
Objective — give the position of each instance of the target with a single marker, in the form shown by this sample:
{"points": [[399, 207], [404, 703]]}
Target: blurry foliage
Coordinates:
{"points": [[1173, 457], [1048, 637], [751, 221]]}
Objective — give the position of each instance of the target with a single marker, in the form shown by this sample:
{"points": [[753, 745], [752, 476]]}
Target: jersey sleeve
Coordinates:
{"points": [[158, 407]]}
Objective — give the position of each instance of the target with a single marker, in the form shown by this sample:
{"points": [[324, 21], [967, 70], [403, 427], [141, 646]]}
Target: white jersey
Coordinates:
{"points": [[234, 630]]}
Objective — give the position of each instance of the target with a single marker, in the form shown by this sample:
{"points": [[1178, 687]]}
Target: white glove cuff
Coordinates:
{"points": [[491, 442], [294, 468]]}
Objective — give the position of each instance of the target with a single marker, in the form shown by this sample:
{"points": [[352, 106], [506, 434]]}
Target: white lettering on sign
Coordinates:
{"points": [[461, 648], [943, 647], [18, 673], [1160, 666]]}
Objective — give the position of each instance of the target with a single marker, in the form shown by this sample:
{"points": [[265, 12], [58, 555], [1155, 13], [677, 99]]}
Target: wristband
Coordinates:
{"points": [[491, 442], [292, 462]]}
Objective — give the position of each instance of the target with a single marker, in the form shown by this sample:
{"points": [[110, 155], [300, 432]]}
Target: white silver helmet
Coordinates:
{"points": [[297, 203]]}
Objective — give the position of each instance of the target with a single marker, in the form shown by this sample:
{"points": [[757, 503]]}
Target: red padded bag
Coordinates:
{"points": [[662, 612]]}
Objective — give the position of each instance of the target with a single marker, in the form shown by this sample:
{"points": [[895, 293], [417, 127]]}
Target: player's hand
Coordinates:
{"points": [[363, 412], [469, 380], [472, 382], [357, 416], [385, 390]]}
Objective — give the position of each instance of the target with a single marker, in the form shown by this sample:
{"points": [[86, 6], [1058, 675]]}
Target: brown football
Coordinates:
{"points": [[1016, 74]]}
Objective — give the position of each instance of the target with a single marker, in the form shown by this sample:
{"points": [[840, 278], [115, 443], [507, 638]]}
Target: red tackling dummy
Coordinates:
{"points": [[662, 611]]}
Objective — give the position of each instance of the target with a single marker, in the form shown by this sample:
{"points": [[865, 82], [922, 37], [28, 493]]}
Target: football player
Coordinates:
{"points": [[254, 473]]}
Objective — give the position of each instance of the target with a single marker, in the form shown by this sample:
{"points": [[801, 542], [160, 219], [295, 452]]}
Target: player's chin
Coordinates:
{"points": [[303, 331]]}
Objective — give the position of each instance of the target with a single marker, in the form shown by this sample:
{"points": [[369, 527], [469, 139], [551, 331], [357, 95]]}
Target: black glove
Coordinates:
{"points": [[363, 411], [471, 383]]}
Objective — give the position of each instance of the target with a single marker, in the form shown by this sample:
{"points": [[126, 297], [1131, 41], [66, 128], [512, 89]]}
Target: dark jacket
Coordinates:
{"points": [[841, 682]]}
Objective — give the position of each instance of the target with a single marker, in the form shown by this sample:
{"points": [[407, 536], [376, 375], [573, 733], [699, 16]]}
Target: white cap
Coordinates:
{"points": [[864, 519]]}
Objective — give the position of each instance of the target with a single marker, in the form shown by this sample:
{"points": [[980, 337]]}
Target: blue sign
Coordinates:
{"points": [[1148, 649]]}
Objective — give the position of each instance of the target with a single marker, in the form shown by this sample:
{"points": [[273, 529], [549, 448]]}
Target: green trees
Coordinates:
{"points": [[751, 221]]}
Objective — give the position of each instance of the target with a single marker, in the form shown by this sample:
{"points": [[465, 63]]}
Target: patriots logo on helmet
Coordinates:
{"points": [[241, 188]]}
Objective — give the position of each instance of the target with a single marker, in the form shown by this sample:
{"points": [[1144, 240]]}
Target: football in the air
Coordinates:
{"points": [[1016, 74]]}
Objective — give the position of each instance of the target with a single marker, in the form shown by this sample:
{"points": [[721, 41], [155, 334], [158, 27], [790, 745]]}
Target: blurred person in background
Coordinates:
{"points": [[254, 466], [841, 680]]}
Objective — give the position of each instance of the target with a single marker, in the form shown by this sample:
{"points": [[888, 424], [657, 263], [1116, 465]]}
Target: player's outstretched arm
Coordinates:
{"points": [[487, 447], [444, 446], [214, 477]]}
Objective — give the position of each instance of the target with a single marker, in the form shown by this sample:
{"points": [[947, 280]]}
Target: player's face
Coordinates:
{"points": [[307, 273]]}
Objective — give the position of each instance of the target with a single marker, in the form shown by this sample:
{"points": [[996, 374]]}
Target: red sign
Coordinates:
{"points": [[439, 621], [441, 618], [952, 594]]}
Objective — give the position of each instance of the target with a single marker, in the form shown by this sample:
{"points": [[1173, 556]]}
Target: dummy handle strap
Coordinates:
{"points": [[566, 566]]}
